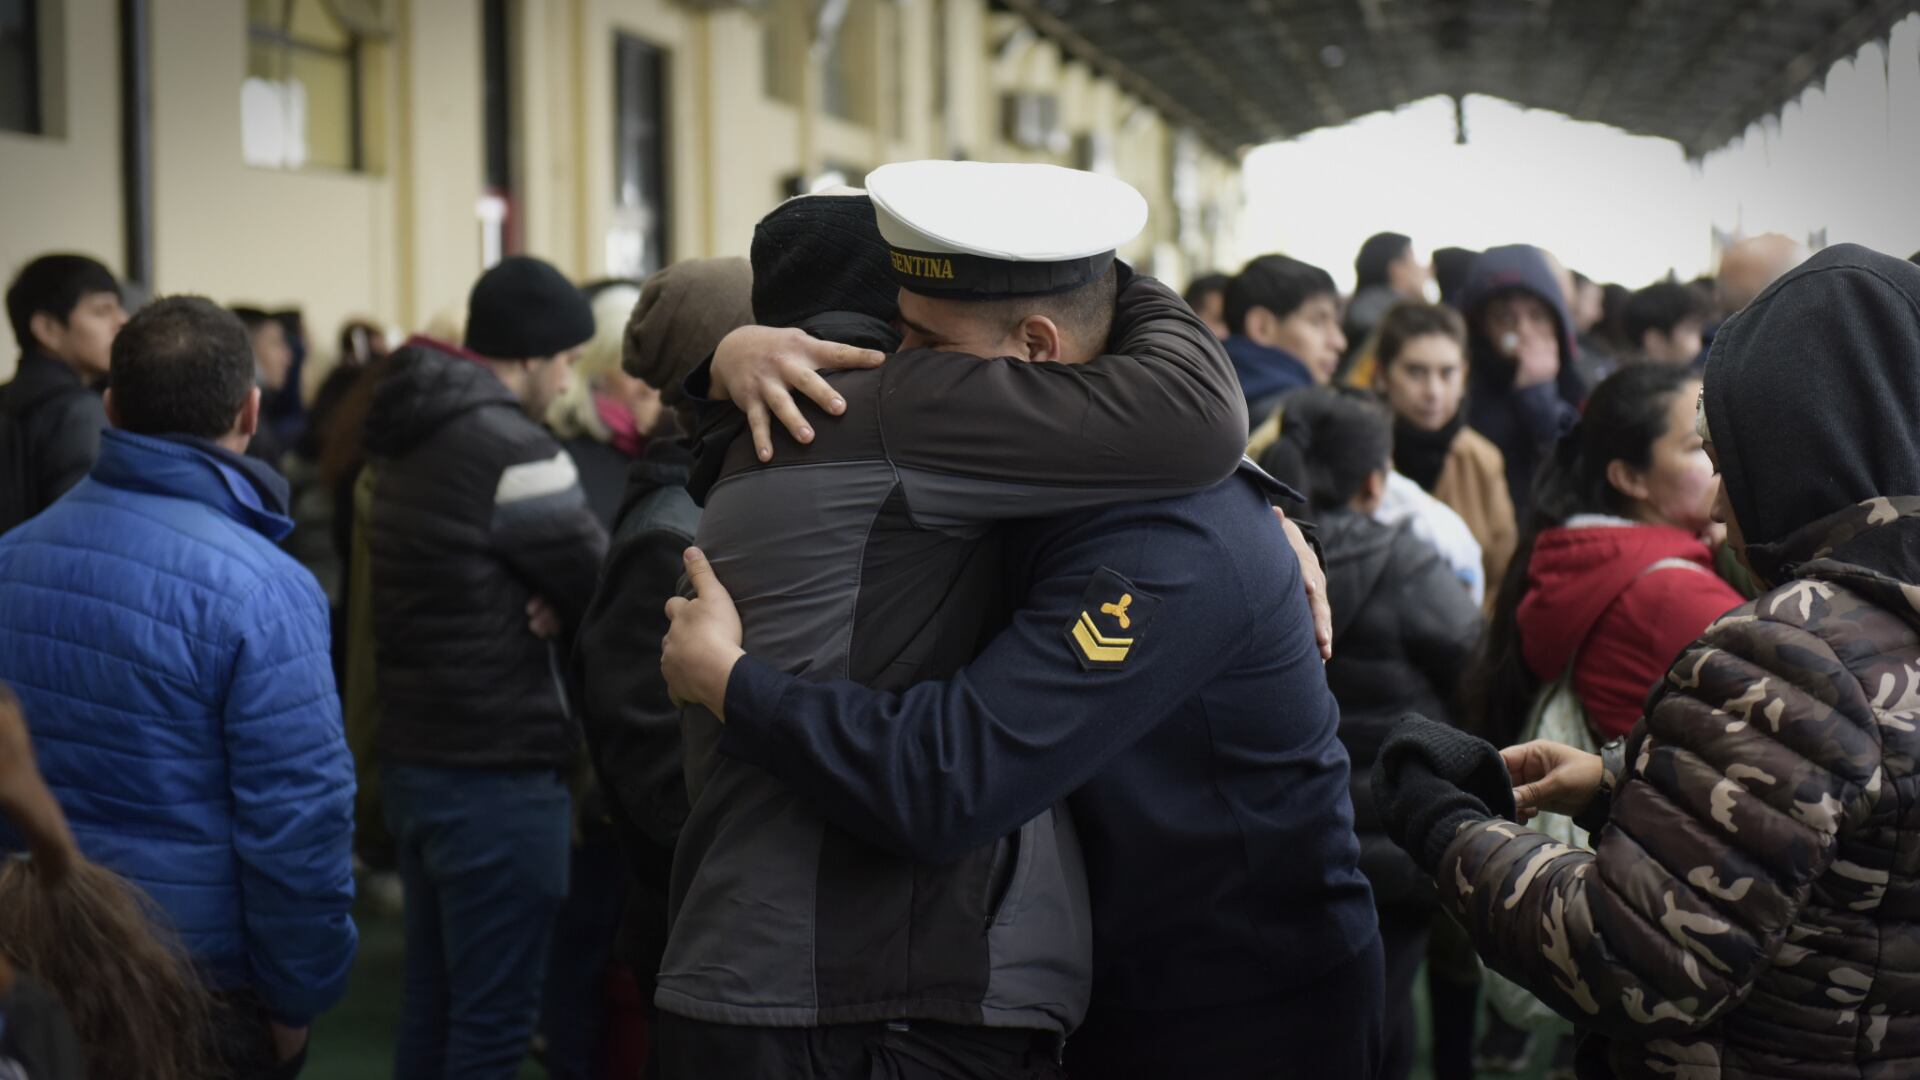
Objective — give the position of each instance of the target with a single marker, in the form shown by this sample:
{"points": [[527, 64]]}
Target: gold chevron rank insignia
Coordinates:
{"points": [[1108, 626]]}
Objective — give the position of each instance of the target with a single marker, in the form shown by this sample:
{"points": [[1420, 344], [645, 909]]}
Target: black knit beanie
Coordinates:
{"points": [[820, 253], [524, 308]]}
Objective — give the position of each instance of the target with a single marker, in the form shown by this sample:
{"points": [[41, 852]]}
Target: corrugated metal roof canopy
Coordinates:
{"points": [[1244, 72]]}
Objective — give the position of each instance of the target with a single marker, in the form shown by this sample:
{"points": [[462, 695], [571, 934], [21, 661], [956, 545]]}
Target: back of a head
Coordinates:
{"points": [[1342, 436], [1749, 266], [1379, 252], [54, 285], [103, 950], [1279, 283], [1451, 266], [683, 312], [182, 366], [819, 253], [1662, 306], [1204, 286], [1810, 396], [523, 308], [1083, 314], [1404, 322]]}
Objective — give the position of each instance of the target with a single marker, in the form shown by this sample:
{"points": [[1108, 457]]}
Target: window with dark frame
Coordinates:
{"points": [[638, 243], [20, 68], [311, 66]]}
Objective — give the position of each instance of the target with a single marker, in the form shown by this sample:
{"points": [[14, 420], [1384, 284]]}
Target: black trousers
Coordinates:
{"points": [[1327, 1030], [1403, 935], [919, 1050]]}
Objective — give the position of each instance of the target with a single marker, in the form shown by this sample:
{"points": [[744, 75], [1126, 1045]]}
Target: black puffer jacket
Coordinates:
{"points": [[1403, 628], [476, 509]]}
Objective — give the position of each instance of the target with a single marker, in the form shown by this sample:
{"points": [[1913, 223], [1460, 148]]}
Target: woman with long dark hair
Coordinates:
{"points": [[1612, 577]]}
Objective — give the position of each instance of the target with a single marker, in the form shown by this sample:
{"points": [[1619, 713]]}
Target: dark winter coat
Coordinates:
{"points": [[1403, 630], [1751, 911], [631, 724], [476, 510], [1523, 423], [603, 475], [56, 420]]}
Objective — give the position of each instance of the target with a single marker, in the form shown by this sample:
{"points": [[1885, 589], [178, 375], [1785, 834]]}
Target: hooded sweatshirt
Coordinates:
{"points": [[1523, 423], [1617, 601], [1773, 406]]}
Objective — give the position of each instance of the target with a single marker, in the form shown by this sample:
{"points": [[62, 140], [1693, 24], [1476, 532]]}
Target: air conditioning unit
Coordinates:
{"points": [[1031, 121]]}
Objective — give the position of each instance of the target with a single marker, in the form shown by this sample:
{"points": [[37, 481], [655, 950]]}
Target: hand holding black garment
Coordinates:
{"points": [[1431, 779]]}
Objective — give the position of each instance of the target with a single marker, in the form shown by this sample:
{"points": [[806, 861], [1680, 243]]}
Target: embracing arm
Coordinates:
{"points": [[1161, 412], [1029, 721], [1717, 834]]}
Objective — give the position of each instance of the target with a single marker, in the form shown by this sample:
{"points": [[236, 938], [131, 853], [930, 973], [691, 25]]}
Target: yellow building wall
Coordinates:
{"points": [[62, 191], [319, 240], [403, 244]]}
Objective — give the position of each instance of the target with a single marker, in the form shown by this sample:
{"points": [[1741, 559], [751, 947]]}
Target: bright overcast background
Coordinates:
{"points": [[1844, 158]]}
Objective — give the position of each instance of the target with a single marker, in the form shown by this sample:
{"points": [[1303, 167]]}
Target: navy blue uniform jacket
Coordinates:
{"points": [[1163, 671]]}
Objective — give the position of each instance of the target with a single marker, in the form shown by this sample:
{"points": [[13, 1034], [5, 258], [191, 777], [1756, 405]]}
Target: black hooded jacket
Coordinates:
{"points": [[1523, 423], [1403, 629], [50, 425], [476, 510], [1798, 436]]}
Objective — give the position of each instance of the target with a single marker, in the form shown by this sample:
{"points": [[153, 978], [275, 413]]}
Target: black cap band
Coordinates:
{"points": [[976, 277]]}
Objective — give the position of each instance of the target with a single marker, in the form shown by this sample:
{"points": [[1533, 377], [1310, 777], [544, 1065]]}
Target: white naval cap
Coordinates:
{"points": [[986, 230]]}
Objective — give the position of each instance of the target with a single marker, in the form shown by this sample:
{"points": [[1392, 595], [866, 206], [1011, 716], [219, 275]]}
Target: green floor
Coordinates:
{"points": [[355, 1040]]}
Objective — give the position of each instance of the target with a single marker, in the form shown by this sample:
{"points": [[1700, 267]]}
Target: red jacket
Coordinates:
{"points": [[1590, 594]]}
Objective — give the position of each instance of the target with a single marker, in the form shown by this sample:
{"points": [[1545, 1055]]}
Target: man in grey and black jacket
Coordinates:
{"points": [[482, 550], [873, 553]]}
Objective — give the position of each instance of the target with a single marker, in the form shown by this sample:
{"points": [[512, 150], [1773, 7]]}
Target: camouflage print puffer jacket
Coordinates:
{"points": [[1753, 905]]}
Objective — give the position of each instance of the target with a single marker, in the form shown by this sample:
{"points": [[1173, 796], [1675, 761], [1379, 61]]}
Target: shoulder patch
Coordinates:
{"points": [[1110, 623]]}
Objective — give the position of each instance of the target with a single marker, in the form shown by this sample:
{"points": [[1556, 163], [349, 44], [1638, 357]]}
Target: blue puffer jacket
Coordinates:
{"points": [[173, 665]]}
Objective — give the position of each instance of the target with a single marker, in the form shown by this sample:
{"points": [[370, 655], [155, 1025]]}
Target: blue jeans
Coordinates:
{"points": [[483, 859]]}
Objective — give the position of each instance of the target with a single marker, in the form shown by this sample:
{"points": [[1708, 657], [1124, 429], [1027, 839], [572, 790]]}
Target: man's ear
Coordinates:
{"points": [[107, 403], [1627, 480], [46, 330], [248, 422], [1261, 324], [1041, 340]]}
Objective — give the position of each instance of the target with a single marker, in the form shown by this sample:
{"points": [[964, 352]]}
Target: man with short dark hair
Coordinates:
{"points": [[65, 311], [176, 664], [1285, 319], [483, 549], [1666, 321], [1207, 296]]}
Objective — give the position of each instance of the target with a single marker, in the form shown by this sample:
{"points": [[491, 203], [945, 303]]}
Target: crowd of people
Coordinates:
{"points": [[926, 648]]}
